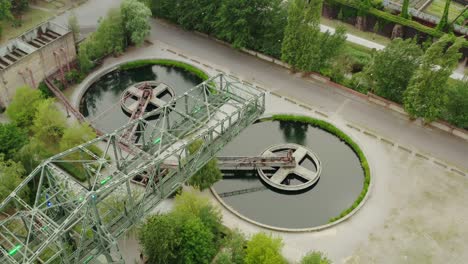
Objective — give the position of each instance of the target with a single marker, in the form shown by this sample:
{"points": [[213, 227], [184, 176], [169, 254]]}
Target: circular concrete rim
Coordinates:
{"points": [[98, 73], [152, 83], [299, 230], [298, 187]]}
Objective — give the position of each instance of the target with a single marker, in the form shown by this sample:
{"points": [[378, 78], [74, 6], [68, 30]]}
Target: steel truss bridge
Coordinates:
{"points": [[68, 221]]}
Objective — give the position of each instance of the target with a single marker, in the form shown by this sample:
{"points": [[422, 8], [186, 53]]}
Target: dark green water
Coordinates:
{"points": [[340, 183], [101, 105]]}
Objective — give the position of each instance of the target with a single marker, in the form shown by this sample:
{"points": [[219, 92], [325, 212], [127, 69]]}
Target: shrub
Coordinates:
{"points": [[45, 91]]}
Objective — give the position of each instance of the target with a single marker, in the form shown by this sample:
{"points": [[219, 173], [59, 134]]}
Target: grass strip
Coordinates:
{"points": [[171, 63]]}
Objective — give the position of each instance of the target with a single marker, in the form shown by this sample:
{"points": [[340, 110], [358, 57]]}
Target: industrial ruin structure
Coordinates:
{"points": [[31, 57]]}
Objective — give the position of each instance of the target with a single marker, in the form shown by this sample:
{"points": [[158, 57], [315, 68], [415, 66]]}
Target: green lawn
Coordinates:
{"points": [[30, 19], [437, 8], [354, 31]]}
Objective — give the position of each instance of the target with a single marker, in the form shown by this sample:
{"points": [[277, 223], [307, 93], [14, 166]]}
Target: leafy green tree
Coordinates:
{"points": [[12, 139], [76, 135], [22, 108], [49, 122], [426, 94], [109, 37], [32, 154], [167, 9], [405, 9], [11, 174], [457, 107], [5, 9], [392, 68], [74, 26], [443, 23], [135, 17], [197, 14], [264, 249], [223, 258], [292, 43], [255, 23], [84, 60], [208, 174], [161, 239], [320, 53], [315, 257], [304, 46], [186, 235], [233, 249], [19, 6], [197, 245], [189, 204]]}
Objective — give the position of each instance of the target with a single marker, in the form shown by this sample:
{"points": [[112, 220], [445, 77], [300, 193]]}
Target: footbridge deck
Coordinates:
{"points": [[79, 222]]}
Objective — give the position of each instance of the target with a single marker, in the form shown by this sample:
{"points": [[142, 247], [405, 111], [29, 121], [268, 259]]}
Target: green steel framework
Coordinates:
{"points": [[76, 222]]}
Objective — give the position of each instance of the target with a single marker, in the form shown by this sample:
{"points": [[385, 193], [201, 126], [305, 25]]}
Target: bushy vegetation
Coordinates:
{"points": [[256, 24], [208, 174], [171, 63], [119, 29], [193, 233], [39, 130], [304, 47], [345, 138], [426, 94], [189, 234], [391, 69], [315, 257], [386, 73]]}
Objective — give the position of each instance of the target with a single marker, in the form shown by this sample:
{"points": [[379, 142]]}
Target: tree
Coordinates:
{"points": [[19, 6], [392, 68], [256, 23], [426, 93], [160, 238], [32, 154], [319, 53], [197, 245], [208, 174], [76, 135], [292, 44], [264, 249], [22, 108], [189, 204], [74, 26], [405, 8], [186, 235], [109, 38], [12, 139], [233, 249], [49, 123], [11, 174], [304, 46], [315, 257], [443, 23], [197, 14], [457, 107], [5, 9], [135, 17]]}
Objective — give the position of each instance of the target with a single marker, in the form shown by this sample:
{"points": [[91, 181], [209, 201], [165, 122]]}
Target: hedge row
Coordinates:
{"points": [[344, 137]]}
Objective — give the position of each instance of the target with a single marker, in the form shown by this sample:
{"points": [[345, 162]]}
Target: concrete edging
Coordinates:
{"points": [[95, 75], [302, 230]]}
